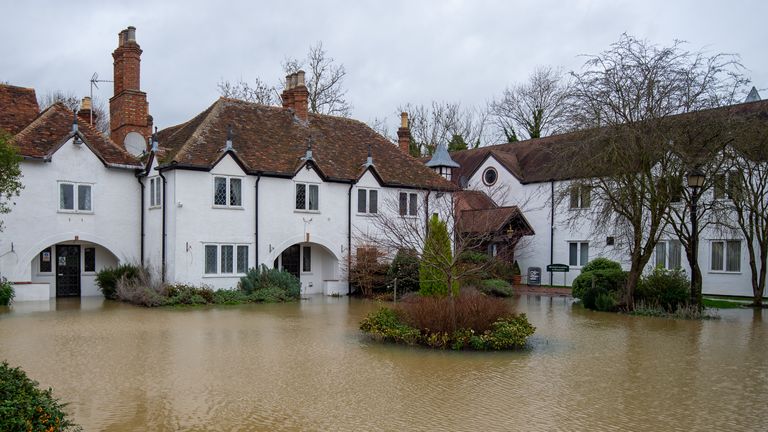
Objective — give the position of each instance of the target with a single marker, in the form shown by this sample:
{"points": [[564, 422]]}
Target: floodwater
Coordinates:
{"points": [[306, 366]]}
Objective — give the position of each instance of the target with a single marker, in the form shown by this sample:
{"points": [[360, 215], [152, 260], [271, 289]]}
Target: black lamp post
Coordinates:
{"points": [[695, 180]]}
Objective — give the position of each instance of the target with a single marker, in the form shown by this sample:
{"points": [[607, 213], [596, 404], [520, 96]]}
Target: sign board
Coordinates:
{"points": [[558, 268], [534, 275]]}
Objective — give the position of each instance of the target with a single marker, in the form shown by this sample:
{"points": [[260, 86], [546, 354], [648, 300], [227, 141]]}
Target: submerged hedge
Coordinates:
{"points": [[508, 332]]}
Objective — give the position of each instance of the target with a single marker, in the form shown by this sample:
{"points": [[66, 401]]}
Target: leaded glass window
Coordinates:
{"points": [[235, 192], [313, 197], [242, 259], [227, 258], [301, 196], [211, 254], [84, 198], [220, 191], [66, 196]]}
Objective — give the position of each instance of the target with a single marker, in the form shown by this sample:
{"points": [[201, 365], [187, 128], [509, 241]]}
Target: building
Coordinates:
{"points": [[237, 186]]}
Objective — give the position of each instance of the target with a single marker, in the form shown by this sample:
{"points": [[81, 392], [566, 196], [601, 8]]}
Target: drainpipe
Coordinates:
{"points": [[141, 217], [256, 224], [426, 211], [163, 265], [349, 235], [552, 229]]}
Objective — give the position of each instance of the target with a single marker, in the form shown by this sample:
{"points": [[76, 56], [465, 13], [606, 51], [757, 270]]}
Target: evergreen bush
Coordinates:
{"points": [[107, 278], [668, 289], [24, 407], [601, 281], [437, 256], [273, 282], [6, 292], [496, 287], [404, 268]]}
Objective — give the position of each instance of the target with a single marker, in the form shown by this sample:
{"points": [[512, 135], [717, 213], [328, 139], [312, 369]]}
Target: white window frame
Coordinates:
{"points": [[727, 185], [445, 172], [724, 262], [368, 210], [307, 186], [579, 204], [75, 197], [235, 255], [667, 244], [580, 244], [304, 250], [155, 192], [228, 182], [409, 211], [82, 259]]}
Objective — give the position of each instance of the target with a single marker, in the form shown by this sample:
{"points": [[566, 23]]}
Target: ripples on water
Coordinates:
{"points": [[307, 367]]}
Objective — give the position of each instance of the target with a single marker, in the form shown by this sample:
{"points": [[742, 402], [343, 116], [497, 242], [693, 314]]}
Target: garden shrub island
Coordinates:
{"points": [[141, 286]]}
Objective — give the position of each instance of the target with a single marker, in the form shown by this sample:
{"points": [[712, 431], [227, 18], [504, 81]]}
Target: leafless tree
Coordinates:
{"points": [[259, 92], [537, 108], [445, 122], [71, 101], [325, 81], [627, 100]]}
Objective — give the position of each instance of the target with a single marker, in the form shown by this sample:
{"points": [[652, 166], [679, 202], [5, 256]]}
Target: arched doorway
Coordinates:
{"points": [[315, 266], [70, 268]]}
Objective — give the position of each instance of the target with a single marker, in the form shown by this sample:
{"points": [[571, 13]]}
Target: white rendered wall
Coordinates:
{"points": [[35, 222]]}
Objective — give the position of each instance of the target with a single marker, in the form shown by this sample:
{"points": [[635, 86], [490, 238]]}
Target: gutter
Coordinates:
{"points": [[349, 236], [163, 265], [552, 229], [256, 223]]}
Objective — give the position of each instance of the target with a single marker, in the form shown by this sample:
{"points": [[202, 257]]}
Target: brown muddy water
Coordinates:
{"points": [[306, 366]]}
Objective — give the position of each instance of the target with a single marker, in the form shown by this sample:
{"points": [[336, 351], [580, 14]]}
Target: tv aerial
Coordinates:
{"points": [[94, 83]]}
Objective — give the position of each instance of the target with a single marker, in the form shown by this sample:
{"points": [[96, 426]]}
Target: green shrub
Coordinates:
{"points": [[6, 292], [669, 289], [500, 269], [496, 287], [107, 279], [516, 269], [230, 297], [473, 257], [601, 264], [270, 281], [507, 332], [404, 268], [437, 253], [605, 301], [24, 407]]}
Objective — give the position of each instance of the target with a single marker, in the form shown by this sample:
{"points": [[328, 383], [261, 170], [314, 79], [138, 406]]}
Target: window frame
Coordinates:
{"points": [[227, 192], [725, 256], [577, 191], [85, 270], [495, 179], [668, 248], [75, 197], [236, 249], [306, 264], [155, 192], [411, 204], [40, 270], [580, 244], [723, 186], [367, 193], [307, 193]]}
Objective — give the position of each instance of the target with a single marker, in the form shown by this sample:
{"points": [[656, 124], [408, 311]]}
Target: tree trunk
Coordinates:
{"points": [[633, 277]]}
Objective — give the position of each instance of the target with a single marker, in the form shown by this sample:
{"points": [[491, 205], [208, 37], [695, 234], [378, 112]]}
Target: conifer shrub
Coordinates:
{"points": [[436, 256], [6, 292], [404, 268], [25, 407], [264, 283], [601, 279], [496, 287], [107, 278], [668, 289]]}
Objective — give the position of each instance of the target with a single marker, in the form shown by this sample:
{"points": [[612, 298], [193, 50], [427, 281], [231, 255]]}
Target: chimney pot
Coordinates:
{"points": [[288, 82], [300, 78], [404, 120], [130, 34], [404, 134], [86, 104], [294, 80]]}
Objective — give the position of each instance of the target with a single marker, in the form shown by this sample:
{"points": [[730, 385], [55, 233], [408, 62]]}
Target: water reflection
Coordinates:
{"points": [[305, 366]]}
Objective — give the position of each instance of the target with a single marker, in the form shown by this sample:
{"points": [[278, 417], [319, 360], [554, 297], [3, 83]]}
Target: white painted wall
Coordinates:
{"points": [[36, 223]]}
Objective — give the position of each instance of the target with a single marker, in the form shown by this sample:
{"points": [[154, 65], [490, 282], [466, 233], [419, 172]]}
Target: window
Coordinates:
{"points": [[489, 176], [89, 259], [307, 196], [728, 185], [367, 201], [45, 261], [726, 255], [408, 204], [155, 192], [306, 259], [580, 196], [578, 254], [227, 191], [226, 259], [668, 254], [445, 172], [75, 197]]}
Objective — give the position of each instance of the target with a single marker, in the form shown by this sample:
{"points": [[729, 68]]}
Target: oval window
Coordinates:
{"points": [[490, 176]]}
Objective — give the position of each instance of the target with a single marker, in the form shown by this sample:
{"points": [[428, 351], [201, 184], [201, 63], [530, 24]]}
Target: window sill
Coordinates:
{"points": [[724, 272], [307, 211], [223, 276], [76, 212], [155, 207], [367, 214], [225, 207], [408, 216]]}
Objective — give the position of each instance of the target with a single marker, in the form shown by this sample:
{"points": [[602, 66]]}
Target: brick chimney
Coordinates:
{"points": [[128, 107], [300, 96], [86, 113], [404, 134], [287, 95]]}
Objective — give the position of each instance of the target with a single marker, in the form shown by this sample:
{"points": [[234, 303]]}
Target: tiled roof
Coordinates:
{"points": [[18, 107], [532, 160], [53, 127], [272, 140], [494, 220]]}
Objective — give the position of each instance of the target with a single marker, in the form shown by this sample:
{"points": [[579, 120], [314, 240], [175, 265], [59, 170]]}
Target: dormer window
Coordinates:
{"points": [[227, 191], [444, 171], [307, 197]]}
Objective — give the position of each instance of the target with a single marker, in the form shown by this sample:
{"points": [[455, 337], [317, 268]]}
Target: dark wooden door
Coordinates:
{"points": [[290, 258], [67, 270]]}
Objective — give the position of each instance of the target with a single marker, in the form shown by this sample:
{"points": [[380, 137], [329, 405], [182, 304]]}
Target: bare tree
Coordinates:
{"points": [[325, 81], [71, 101], [259, 92], [444, 122], [634, 91], [537, 107]]}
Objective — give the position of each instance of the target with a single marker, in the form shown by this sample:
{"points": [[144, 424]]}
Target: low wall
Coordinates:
{"points": [[31, 291]]}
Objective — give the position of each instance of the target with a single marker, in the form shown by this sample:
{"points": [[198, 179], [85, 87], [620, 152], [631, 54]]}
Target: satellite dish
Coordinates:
{"points": [[135, 143]]}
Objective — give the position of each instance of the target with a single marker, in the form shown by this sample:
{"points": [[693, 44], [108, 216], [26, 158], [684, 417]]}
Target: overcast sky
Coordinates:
{"points": [[394, 52]]}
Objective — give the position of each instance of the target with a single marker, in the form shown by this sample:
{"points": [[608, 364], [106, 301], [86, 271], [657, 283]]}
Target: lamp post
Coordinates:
{"points": [[695, 180]]}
